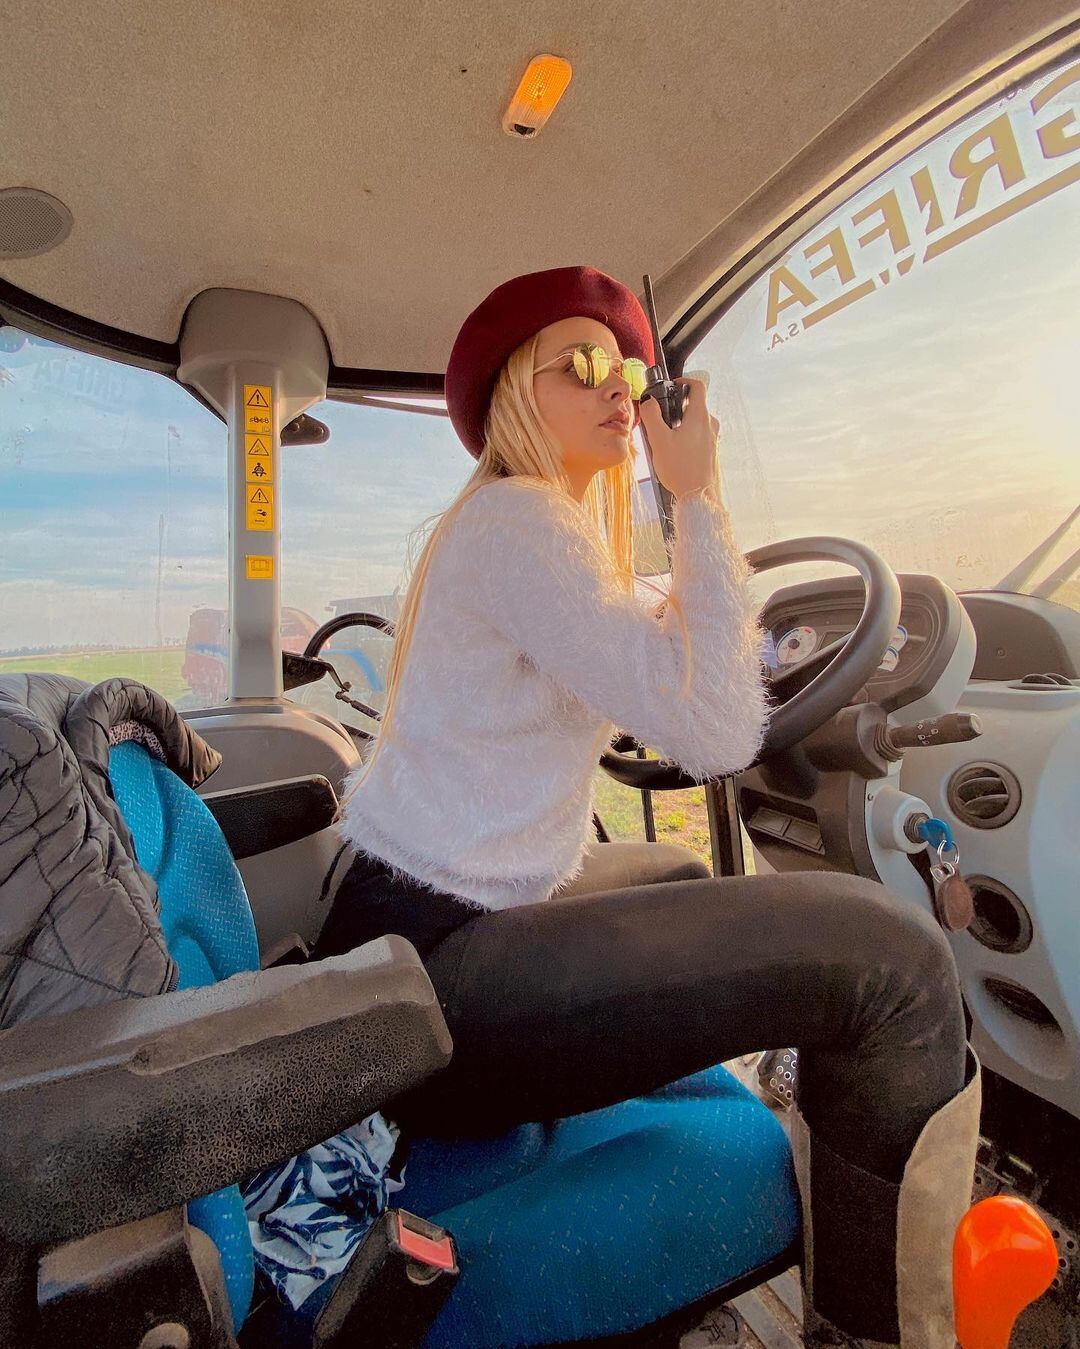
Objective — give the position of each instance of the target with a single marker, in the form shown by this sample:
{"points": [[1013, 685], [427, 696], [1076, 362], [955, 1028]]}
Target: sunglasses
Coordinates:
{"points": [[592, 365]]}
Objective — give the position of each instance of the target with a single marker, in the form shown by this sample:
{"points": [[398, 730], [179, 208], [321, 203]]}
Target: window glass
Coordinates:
{"points": [[112, 523], [906, 374], [353, 513]]}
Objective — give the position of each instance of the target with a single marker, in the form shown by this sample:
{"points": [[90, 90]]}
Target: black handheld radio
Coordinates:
{"points": [[672, 397]]}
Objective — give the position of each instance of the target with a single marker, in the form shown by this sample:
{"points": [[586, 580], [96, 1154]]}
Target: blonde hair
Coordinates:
{"points": [[518, 443]]}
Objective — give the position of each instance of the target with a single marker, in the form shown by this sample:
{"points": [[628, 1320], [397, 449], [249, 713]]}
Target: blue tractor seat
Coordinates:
{"points": [[210, 933], [567, 1231]]}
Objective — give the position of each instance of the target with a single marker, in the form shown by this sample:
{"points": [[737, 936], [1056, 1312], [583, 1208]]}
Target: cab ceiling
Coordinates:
{"points": [[350, 155]]}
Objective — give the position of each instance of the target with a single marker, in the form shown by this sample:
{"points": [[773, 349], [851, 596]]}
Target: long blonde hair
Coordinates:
{"points": [[517, 442]]}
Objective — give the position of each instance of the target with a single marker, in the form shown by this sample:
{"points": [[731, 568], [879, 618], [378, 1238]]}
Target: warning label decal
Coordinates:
{"points": [[259, 455], [258, 408], [260, 507]]}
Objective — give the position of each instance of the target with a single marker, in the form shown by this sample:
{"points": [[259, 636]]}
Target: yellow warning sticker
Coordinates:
{"points": [[259, 568], [259, 457], [259, 408], [260, 507]]}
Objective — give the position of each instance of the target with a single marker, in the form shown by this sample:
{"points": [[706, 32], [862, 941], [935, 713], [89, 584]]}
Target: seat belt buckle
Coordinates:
{"points": [[393, 1287]]}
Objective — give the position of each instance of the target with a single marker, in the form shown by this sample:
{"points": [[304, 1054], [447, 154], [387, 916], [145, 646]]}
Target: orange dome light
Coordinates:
{"points": [[541, 87]]}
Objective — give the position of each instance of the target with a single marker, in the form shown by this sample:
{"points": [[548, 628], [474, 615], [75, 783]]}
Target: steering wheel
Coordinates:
{"points": [[808, 694], [322, 635]]}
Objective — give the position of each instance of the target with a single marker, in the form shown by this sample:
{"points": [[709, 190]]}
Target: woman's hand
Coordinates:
{"points": [[684, 459]]}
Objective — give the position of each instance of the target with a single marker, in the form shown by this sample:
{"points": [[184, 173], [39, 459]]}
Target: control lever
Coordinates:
{"points": [[299, 670], [1004, 1257], [344, 688], [950, 729]]}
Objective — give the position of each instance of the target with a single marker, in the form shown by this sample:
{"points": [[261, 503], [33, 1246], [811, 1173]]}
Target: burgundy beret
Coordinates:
{"points": [[517, 309]]}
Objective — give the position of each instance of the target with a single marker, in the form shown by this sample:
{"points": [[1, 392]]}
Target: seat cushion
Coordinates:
{"points": [[210, 934], [607, 1221]]}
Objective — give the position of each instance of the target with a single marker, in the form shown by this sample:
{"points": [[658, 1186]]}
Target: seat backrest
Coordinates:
{"points": [[210, 933], [205, 913]]}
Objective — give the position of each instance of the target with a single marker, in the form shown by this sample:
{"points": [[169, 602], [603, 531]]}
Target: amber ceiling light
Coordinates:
{"points": [[541, 87]]}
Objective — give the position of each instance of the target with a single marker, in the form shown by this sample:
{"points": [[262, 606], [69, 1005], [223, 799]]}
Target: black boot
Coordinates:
{"points": [[877, 1262]]}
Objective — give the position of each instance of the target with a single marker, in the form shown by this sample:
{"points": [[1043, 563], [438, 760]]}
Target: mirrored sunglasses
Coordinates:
{"points": [[592, 365]]}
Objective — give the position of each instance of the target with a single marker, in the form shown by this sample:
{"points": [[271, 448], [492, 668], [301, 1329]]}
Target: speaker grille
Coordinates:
{"points": [[31, 222]]}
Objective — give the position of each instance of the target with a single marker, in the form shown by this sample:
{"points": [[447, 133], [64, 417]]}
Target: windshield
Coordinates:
{"points": [[907, 374]]}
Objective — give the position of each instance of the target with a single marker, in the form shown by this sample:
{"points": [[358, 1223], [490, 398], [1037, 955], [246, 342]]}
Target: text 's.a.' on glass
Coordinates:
{"points": [[113, 513]]}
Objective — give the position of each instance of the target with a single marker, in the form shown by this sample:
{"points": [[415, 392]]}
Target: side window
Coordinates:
{"points": [[906, 374], [113, 506], [354, 512]]}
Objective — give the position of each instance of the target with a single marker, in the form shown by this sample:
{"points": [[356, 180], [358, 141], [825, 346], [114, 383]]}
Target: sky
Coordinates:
{"points": [[936, 419]]}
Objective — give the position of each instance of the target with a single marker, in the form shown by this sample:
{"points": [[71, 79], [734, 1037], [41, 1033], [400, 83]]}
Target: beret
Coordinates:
{"points": [[515, 311]]}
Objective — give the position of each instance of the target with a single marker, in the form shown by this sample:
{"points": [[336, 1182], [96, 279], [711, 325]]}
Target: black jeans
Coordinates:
{"points": [[600, 994]]}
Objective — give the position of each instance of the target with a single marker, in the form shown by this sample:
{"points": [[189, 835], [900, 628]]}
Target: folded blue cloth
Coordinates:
{"points": [[307, 1216]]}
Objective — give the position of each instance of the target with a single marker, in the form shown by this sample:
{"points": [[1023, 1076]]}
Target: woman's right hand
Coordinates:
{"points": [[685, 458]]}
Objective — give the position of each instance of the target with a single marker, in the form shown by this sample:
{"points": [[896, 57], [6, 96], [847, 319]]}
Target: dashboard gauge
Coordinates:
{"points": [[796, 645], [891, 659]]}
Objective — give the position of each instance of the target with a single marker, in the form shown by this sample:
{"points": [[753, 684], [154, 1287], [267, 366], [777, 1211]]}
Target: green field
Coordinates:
{"points": [[158, 668], [681, 817]]}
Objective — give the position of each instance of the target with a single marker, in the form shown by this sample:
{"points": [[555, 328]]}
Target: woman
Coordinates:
{"points": [[520, 648]]}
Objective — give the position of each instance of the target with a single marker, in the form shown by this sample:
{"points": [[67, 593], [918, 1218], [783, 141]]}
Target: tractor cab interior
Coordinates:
{"points": [[235, 247]]}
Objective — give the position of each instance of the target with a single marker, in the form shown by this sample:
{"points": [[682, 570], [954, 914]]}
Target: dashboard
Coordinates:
{"points": [[803, 620]]}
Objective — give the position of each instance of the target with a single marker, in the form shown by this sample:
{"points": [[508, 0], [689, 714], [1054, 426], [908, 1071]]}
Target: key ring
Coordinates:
{"points": [[946, 867]]}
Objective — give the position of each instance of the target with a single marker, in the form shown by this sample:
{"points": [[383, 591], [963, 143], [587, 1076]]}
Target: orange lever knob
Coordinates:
{"points": [[1004, 1257]]}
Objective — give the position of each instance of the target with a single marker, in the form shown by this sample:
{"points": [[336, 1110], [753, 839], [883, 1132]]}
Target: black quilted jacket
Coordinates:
{"points": [[78, 915]]}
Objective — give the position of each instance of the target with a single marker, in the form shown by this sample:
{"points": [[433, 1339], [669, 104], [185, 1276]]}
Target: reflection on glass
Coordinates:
{"points": [[906, 374]]}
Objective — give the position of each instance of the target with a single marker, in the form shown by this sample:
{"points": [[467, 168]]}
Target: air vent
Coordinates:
{"points": [[984, 795], [31, 222], [1049, 681], [1022, 1002]]}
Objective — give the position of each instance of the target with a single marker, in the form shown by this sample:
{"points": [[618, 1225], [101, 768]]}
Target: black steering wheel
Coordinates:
{"points": [[322, 635], [806, 696]]}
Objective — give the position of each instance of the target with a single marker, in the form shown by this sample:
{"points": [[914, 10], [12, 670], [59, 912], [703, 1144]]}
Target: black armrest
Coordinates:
{"points": [[256, 819], [107, 1288], [121, 1111], [291, 949]]}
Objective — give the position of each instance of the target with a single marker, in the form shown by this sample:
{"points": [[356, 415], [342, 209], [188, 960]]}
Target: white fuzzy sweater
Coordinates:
{"points": [[526, 656]]}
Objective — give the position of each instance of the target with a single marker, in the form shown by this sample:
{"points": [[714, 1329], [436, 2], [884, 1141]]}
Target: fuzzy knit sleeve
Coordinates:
{"points": [[540, 575]]}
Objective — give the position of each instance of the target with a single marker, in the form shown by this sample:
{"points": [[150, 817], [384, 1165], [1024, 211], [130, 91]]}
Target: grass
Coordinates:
{"points": [[160, 669], [681, 817]]}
